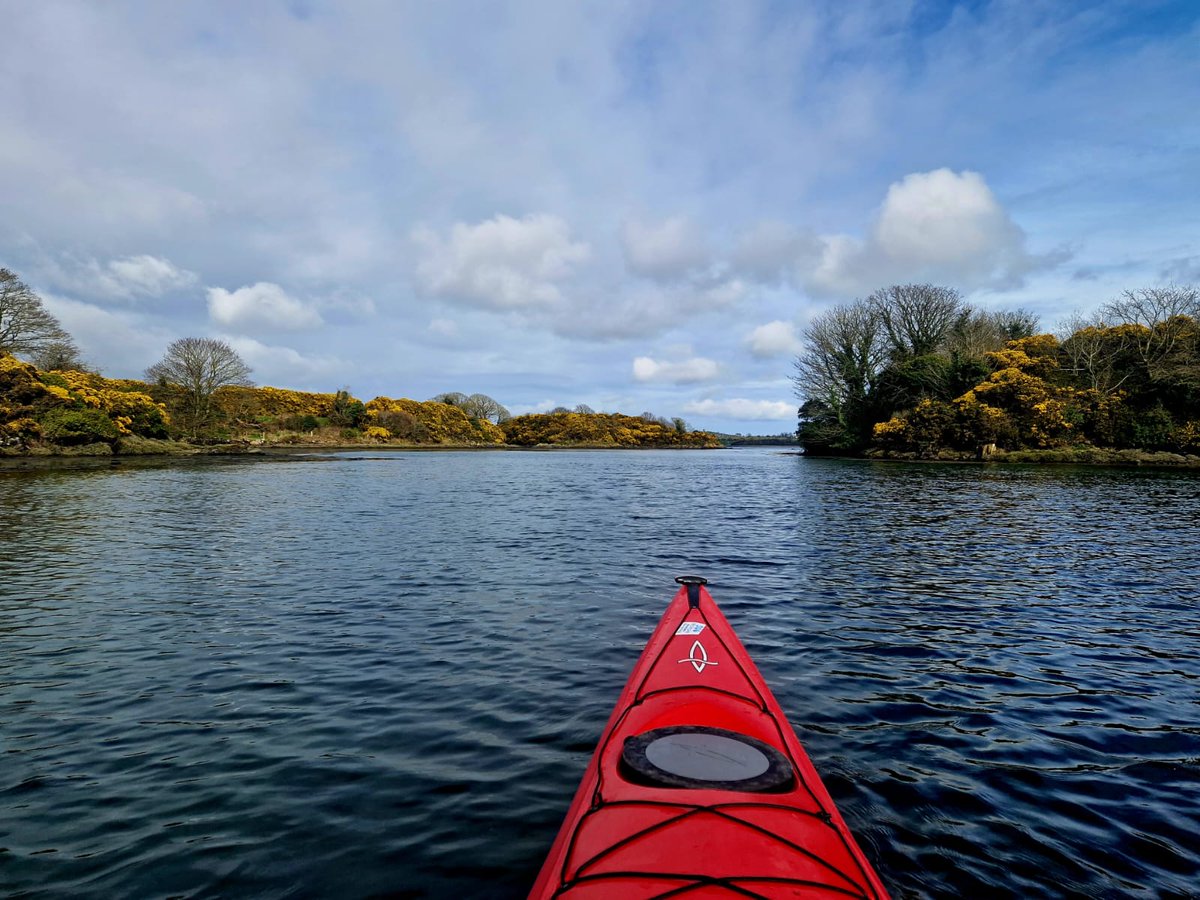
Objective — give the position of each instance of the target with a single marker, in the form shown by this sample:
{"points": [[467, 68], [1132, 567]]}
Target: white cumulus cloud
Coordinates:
{"points": [[933, 226], [665, 250], [501, 263], [773, 339], [261, 305], [743, 409], [688, 371]]}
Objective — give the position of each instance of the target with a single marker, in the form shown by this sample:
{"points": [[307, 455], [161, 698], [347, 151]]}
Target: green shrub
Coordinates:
{"points": [[298, 423], [347, 411], [69, 427], [1153, 429]]}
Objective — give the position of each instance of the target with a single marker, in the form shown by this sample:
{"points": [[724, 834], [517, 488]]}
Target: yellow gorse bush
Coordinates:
{"points": [[20, 428], [430, 422], [23, 397], [270, 403], [1187, 437], [1017, 405], [600, 429], [891, 431], [124, 401]]}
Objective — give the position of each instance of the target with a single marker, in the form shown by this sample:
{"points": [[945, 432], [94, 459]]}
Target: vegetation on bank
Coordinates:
{"points": [[82, 412], [912, 371], [72, 409], [200, 393], [602, 430]]}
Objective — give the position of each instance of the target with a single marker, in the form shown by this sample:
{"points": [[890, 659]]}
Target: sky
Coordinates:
{"points": [[636, 206]]}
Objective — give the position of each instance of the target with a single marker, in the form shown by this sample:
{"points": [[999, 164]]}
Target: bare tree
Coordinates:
{"points": [[481, 406], [1091, 352], [26, 328], [452, 398], [916, 318], [584, 409], [843, 357], [655, 419], [199, 366], [1164, 316], [843, 354], [1094, 356], [1074, 322], [62, 356], [976, 332], [1153, 306]]}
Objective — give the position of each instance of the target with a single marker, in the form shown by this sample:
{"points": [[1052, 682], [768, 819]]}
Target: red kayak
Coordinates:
{"points": [[699, 787]]}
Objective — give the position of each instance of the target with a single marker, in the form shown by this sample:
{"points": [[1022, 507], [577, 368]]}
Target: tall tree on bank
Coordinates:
{"points": [[916, 318], [843, 357], [481, 406], [26, 328], [199, 367], [477, 406]]}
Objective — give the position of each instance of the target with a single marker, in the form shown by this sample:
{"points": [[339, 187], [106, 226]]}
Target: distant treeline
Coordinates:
{"points": [[914, 370], [787, 438], [75, 408]]}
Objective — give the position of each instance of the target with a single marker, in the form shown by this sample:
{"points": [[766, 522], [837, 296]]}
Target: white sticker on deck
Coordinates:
{"points": [[690, 628]]}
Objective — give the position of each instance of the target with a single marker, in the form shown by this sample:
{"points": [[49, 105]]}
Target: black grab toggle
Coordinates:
{"points": [[692, 583]]}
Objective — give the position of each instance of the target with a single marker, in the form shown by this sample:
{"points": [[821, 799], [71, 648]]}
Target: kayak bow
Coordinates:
{"points": [[699, 787]]}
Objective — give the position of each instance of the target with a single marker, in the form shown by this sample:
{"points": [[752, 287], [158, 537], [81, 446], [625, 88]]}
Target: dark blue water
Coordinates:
{"points": [[384, 676]]}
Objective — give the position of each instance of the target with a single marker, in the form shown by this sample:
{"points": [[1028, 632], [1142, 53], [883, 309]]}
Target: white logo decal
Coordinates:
{"points": [[690, 628], [698, 657]]}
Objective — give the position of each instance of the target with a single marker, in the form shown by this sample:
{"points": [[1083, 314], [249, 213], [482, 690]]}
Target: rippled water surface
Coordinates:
{"points": [[384, 676]]}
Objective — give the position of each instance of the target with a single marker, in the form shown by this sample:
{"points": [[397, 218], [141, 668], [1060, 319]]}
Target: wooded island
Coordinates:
{"points": [[913, 372]]}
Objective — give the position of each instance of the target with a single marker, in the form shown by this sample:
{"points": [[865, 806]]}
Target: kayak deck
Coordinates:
{"points": [[699, 787]]}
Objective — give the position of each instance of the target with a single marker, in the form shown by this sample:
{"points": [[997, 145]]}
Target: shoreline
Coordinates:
{"points": [[163, 453], [159, 453]]}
